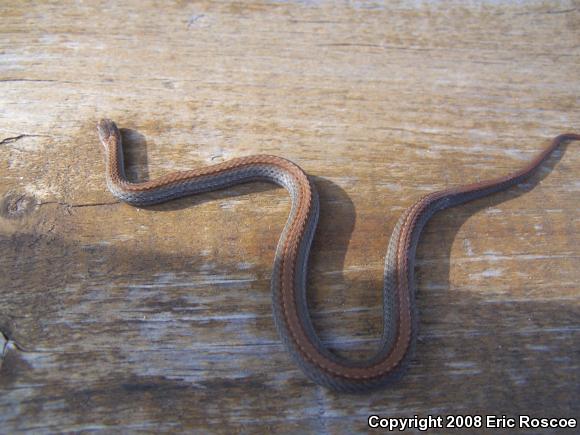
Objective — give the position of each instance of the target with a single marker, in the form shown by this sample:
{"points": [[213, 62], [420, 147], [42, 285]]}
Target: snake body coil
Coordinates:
{"points": [[290, 265]]}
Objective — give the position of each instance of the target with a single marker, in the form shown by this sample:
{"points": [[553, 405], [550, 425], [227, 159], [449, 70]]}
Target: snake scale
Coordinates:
{"points": [[290, 307]]}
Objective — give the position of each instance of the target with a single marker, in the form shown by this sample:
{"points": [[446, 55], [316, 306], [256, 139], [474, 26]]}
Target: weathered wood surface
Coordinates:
{"points": [[159, 319]]}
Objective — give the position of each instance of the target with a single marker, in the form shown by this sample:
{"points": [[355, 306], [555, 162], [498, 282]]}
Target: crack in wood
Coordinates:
{"points": [[4, 343], [27, 80], [11, 139], [89, 204], [7, 343]]}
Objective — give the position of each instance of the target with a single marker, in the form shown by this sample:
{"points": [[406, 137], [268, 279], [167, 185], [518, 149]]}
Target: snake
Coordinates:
{"points": [[289, 275]]}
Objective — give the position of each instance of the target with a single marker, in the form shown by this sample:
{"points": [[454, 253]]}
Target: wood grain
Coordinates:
{"points": [[119, 319]]}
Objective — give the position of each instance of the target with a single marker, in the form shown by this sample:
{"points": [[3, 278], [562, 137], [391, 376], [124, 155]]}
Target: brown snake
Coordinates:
{"points": [[290, 265]]}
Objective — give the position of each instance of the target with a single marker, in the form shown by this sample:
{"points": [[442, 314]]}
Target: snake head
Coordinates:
{"points": [[108, 132]]}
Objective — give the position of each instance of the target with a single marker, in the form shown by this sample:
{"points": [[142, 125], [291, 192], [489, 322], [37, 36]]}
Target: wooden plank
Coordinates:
{"points": [[159, 319]]}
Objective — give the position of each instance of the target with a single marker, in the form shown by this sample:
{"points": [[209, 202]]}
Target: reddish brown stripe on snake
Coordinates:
{"points": [[289, 276]]}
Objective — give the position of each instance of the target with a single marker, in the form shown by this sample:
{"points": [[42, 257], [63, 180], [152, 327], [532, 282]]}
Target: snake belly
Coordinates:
{"points": [[289, 276]]}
